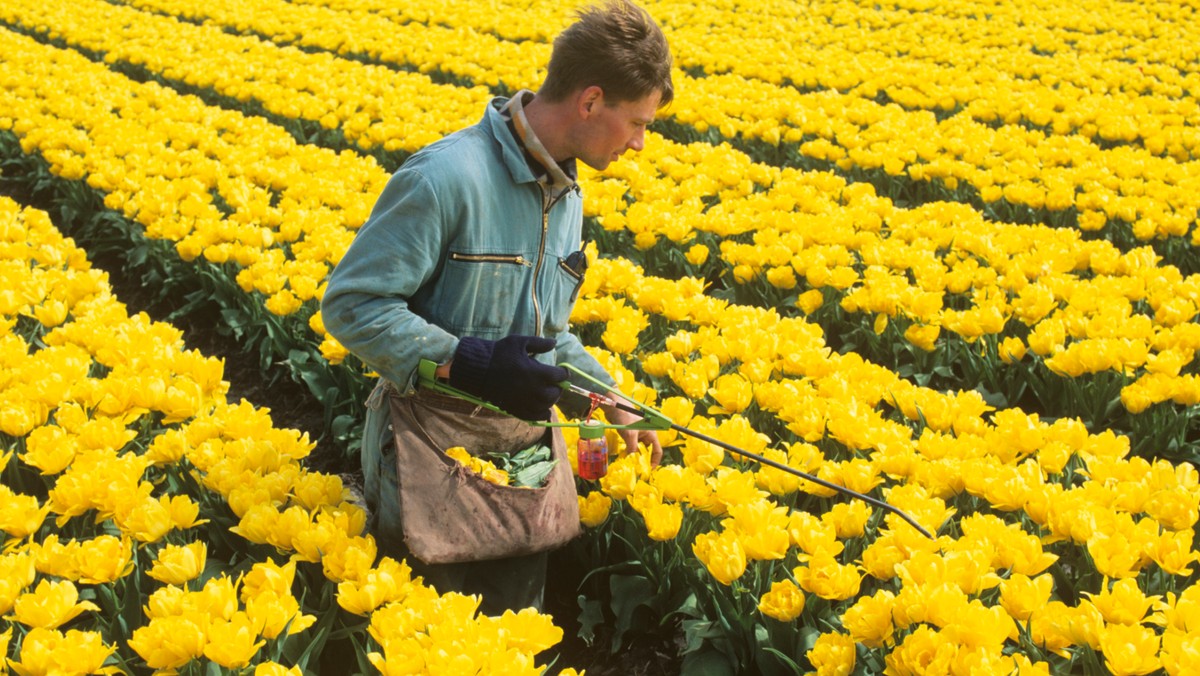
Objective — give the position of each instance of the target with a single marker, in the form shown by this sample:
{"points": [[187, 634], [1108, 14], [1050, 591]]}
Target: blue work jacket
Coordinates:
{"points": [[462, 242]]}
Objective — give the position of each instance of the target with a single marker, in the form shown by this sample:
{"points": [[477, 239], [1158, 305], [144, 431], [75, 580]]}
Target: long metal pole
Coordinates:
{"points": [[790, 470]]}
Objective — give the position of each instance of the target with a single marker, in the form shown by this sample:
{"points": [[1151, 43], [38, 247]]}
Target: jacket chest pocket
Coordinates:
{"points": [[481, 293], [565, 278]]}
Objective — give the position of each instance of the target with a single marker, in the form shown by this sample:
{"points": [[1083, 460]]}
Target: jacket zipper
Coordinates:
{"points": [[537, 268], [489, 258]]}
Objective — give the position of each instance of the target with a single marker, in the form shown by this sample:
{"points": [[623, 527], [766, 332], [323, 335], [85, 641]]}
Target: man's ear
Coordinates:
{"points": [[589, 101]]}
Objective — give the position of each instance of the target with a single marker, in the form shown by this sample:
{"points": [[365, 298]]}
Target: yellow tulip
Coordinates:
{"points": [[232, 642], [50, 448], [827, 578], [663, 520], [50, 605], [17, 572], [104, 559], [761, 527], [732, 392], [1130, 649], [1021, 595], [721, 554], [177, 564], [1122, 602], [833, 654], [869, 620], [1114, 555], [784, 601], [170, 642], [594, 508], [1180, 652], [529, 631], [20, 515], [923, 651]]}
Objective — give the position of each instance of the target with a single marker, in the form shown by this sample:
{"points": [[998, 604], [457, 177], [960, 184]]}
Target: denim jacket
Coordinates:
{"points": [[463, 241]]}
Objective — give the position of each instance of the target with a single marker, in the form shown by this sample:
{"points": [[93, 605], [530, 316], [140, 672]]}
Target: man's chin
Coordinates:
{"points": [[599, 164]]}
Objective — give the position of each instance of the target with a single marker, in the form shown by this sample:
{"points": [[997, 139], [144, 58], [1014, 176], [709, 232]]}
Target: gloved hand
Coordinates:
{"points": [[503, 372]]}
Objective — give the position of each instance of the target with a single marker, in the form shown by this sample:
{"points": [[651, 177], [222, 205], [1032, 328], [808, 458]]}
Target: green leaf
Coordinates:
{"points": [[789, 665], [808, 638], [697, 632], [628, 593], [707, 662], [526, 468], [301, 647], [591, 614], [342, 425], [534, 475]]}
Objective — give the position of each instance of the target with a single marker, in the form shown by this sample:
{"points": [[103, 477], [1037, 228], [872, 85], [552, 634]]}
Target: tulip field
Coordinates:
{"points": [[944, 254]]}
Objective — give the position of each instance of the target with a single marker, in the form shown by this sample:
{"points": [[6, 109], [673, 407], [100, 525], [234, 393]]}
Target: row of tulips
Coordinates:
{"points": [[1168, 496], [669, 185], [1011, 167], [147, 523], [373, 106], [231, 192], [877, 291], [844, 43], [1062, 547]]}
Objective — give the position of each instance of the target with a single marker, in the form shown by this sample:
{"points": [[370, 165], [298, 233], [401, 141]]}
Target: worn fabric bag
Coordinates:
{"points": [[450, 514]]}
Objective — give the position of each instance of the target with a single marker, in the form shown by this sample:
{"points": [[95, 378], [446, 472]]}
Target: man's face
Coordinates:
{"points": [[611, 128]]}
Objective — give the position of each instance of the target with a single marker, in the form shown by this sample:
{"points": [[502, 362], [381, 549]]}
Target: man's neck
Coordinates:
{"points": [[545, 119]]}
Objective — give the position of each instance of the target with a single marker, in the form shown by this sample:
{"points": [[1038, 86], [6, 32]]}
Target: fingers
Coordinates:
{"points": [[656, 450], [635, 439], [538, 344]]}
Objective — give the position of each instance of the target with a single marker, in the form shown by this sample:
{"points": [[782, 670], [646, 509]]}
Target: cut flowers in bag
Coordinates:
{"points": [[527, 468]]}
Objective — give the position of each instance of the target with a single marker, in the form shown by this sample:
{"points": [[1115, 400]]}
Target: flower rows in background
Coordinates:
{"points": [[1015, 147], [671, 187], [226, 188], [148, 523], [371, 105], [1055, 544], [677, 192]]}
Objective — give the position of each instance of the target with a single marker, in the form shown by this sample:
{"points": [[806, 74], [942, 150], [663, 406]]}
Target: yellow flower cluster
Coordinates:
{"points": [[166, 161], [429, 636], [109, 412], [483, 467], [1023, 492], [372, 106], [1129, 514], [996, 144], [1078, 297], [225, 620], [688, 173], [1091, 59], [382, 32]]}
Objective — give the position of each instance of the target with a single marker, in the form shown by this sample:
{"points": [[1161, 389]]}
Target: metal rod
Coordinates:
{"points": [[790, 470]]}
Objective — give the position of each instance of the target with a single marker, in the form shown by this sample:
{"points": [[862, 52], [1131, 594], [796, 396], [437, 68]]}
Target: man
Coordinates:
{"points": [[472, 259]]}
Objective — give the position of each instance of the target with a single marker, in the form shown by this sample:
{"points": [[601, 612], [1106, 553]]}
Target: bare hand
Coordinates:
{"points": [[634, 438]]}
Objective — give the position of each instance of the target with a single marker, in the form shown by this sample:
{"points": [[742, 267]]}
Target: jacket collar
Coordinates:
{"points": [[524, 155]]}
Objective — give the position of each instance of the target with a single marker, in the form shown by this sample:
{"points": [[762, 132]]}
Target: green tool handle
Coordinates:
{"points": [[651, 418]]}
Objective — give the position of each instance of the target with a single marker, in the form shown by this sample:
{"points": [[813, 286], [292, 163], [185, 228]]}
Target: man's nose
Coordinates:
{"points": [[638, 141]]}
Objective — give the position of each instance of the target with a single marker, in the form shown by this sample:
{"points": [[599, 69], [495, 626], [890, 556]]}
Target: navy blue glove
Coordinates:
{"points": [[504, 373]]}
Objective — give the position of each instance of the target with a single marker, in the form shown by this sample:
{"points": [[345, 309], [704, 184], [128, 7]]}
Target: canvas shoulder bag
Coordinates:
{"points": [[451, 514]]}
